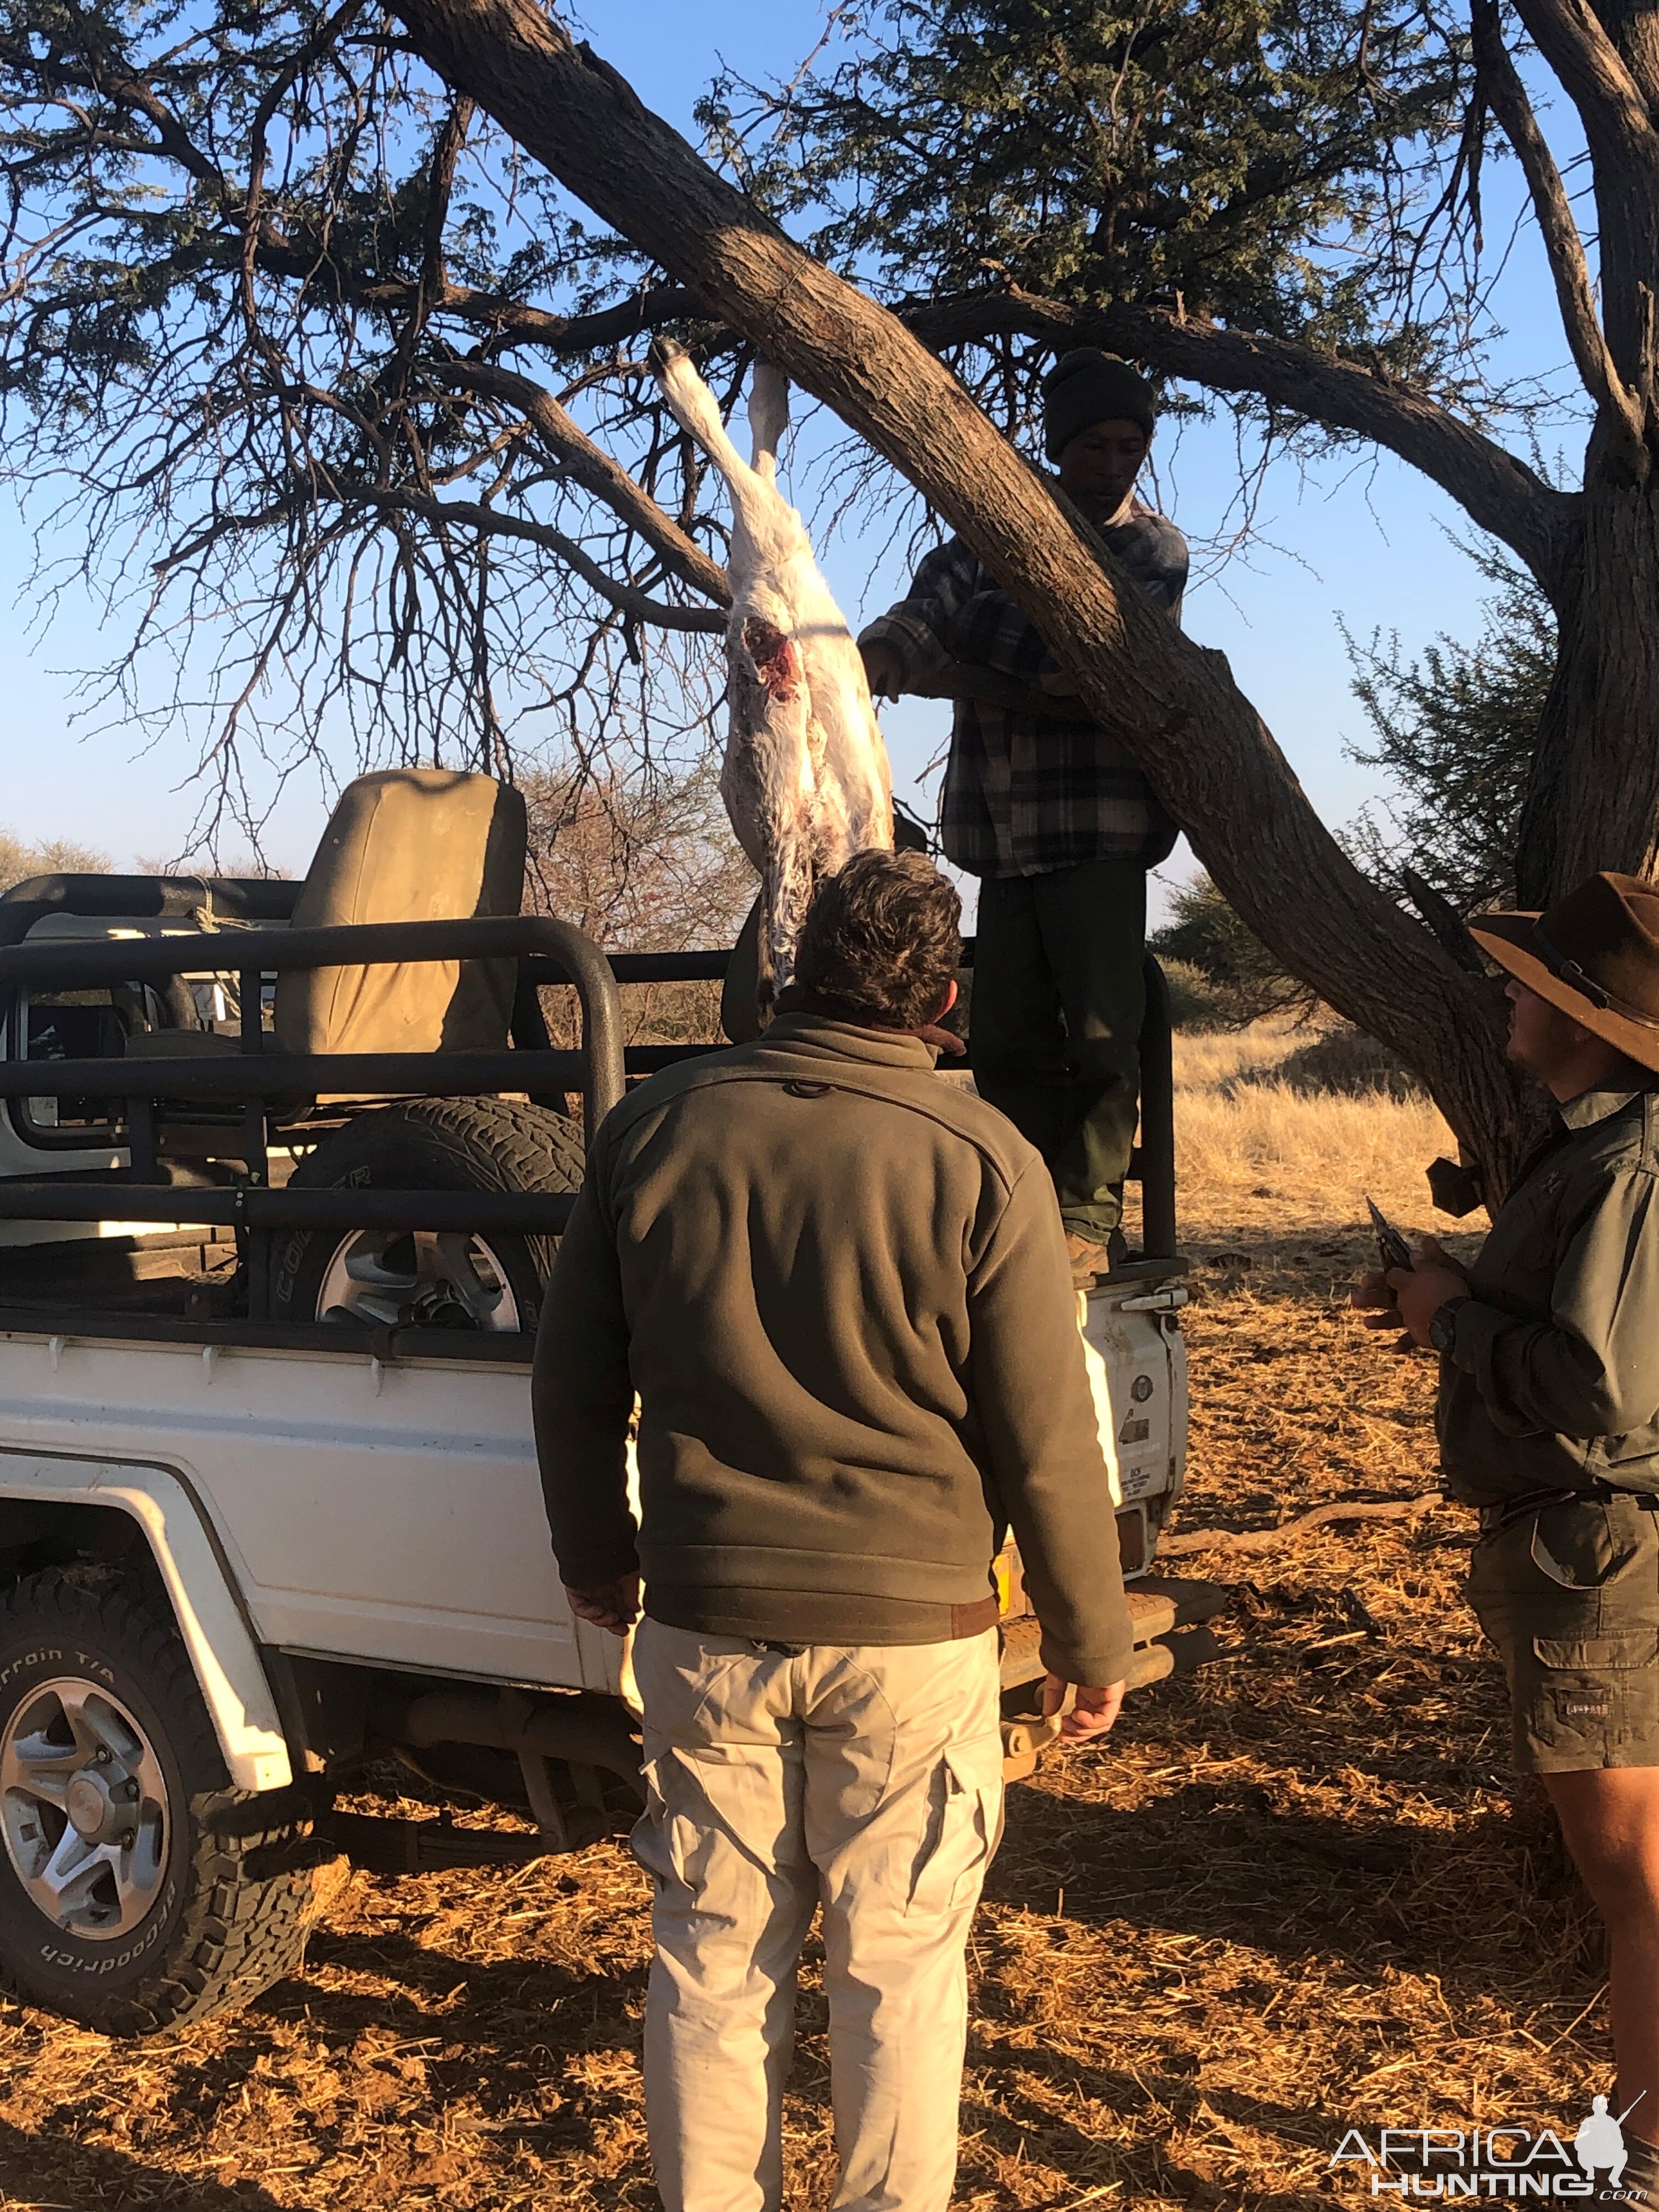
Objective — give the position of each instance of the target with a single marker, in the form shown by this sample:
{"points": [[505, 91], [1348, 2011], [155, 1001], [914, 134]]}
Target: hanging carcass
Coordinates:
{"points": [[806, 778]]}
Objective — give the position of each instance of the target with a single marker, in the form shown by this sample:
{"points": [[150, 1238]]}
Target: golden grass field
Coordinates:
{"points": [[1299, 1891]]}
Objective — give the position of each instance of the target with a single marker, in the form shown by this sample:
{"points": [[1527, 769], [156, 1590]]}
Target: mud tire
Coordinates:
{"points": [[433, 1144], [237, 1889]]}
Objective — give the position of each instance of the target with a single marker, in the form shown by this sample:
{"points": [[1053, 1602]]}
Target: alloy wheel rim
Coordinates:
{"points": [[404, 1278], [83, 1809]]}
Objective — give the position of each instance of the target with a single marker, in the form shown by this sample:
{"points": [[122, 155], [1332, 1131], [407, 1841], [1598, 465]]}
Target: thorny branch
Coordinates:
{"points": [[273, 295]]}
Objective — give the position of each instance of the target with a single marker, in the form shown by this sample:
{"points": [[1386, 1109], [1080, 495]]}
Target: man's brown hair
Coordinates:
{"points": [[882, 938]]}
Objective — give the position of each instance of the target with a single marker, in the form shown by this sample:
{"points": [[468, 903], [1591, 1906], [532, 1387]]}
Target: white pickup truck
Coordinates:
{"points": [[269, 1511]]}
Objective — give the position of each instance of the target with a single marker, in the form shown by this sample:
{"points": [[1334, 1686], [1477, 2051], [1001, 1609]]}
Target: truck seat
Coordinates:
{"points": [[413, 844], [406, 845]]}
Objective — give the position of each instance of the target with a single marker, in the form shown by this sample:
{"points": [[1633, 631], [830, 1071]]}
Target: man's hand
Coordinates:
{"points": [[1091, 1714], [1374, 1296], [1410, 1297], [615, 1605], [1423, 1288], [884, 671]]}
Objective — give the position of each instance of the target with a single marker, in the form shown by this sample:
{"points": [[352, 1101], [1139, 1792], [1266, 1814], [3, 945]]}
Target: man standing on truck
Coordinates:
{"points": [[1049, 813], [1548, 1421], [839, 1288]]}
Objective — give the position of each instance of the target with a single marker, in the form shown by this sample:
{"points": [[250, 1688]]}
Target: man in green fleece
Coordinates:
{"points": [[839, 1288]]}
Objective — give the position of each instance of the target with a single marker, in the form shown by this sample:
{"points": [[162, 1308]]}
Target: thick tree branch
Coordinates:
{"points": [[1617, 122], [1173, 705], [577, 457], [1499, 82], [1500, 493]]}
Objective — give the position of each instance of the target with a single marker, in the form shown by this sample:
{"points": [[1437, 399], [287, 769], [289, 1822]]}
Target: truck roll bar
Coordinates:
{"points": [[548, 951], [237, 898]]}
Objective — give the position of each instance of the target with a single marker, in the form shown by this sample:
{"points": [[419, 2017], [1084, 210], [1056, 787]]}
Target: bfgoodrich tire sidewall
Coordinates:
{"points": [[44, 1963]]}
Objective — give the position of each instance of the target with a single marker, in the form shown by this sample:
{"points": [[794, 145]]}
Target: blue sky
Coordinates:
{"points": [[1369, 541]]}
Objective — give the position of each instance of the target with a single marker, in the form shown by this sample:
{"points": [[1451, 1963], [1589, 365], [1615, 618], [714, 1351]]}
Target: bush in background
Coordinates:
{"points": [[1195, 1002], [643, 863], [20, 860], [1205, 936], [1342, 1062]]}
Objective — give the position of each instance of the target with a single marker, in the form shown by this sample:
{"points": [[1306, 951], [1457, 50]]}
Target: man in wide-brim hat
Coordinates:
{"points": [[1548, 1421]]}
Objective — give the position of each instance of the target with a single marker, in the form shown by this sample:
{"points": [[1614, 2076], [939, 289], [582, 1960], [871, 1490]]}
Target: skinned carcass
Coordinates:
{"points": [[806, 778]]}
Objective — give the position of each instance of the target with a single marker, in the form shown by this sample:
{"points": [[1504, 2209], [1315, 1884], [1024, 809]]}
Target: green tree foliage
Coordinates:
{"points": [[1251, 161], [1455, 731]]}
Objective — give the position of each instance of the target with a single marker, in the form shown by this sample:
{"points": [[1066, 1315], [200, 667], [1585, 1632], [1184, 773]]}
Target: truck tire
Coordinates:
{"points": [[381, 1277], [200, 1903]]}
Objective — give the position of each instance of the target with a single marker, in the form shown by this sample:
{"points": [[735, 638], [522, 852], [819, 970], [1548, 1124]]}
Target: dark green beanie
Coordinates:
{"points": [[1087, 386]]}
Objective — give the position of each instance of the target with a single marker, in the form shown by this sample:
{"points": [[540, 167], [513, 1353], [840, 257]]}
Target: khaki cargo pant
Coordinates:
{"points": [[867, 1780], [1570, 1596]]}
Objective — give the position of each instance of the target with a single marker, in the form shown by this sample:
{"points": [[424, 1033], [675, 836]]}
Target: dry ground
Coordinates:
{"points": [[1300, 1890]]}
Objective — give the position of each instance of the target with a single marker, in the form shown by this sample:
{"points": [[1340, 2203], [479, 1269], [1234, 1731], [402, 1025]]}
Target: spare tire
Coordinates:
{"points": [[422, 1278]]}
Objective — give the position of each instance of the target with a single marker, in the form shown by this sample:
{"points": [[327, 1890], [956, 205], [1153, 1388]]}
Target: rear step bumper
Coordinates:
{"points": [[1172, 1636]]}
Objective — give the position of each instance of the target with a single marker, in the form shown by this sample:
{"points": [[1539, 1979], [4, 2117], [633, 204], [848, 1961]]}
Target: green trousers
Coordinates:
{"points": [[1055, 1024]]}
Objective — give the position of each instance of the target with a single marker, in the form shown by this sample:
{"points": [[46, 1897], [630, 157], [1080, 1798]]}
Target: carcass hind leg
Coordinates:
{"points": [[768, 418], [757, 507]]}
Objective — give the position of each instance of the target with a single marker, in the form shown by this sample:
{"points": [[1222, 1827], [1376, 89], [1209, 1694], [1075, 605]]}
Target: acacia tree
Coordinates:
{"points": [[1455, 729], [318, 337]]}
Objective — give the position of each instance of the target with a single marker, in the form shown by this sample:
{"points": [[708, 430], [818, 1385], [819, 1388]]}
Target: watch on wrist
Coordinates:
{"points": [[1443, 1329]]}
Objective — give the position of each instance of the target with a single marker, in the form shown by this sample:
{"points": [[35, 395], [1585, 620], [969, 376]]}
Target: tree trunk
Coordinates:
{"points": [[1593, 796], [1173, 704]]}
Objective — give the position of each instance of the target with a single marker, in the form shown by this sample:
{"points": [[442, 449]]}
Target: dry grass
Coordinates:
{"points": [[1274, 1154], [1257, 1154], [1298, 1891]]}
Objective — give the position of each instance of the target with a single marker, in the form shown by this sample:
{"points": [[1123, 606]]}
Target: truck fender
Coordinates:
{"points": [[217, 1635]]}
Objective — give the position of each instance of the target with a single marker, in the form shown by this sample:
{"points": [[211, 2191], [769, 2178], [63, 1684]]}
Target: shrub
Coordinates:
{"points": [[1195, 1001], [1341, 1062], [1204, 933]]}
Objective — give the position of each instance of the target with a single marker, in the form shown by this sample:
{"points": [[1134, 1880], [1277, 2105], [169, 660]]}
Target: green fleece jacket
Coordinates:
{"points": [[838, 1286]]}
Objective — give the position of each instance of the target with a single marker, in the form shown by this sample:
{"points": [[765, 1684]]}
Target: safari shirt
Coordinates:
{"points": [[1552, 1380], [1029, 786]]}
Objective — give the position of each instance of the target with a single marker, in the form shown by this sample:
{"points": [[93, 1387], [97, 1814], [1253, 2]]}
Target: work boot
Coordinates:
{"points": [[1088, 1258]]}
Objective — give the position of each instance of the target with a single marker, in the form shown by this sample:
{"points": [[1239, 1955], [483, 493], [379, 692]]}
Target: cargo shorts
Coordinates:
{"points": [[1570, 1596]]}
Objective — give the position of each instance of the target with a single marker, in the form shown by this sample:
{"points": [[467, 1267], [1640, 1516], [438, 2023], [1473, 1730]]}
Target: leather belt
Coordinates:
{"points": [[1502, 1516], [965, 1620], [974, 1620]]}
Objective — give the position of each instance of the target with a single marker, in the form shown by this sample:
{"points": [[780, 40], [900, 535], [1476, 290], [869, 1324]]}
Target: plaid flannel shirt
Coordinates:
{"points": [[1027, 791]]}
